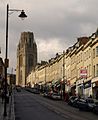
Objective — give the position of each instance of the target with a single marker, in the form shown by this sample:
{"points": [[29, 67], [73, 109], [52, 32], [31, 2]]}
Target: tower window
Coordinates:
{"points": [[30, 61], [30, 42], [20, 60]]}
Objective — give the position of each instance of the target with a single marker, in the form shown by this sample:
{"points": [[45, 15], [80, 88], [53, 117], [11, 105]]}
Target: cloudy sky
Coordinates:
{"points": [[56, 24]]}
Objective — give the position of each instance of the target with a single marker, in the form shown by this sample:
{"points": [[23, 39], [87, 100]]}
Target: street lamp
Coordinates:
{"points": [[62, 68], [22, 15]]}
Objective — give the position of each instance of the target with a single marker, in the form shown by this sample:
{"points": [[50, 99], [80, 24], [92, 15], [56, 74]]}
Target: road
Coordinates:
{"points": [[29, 106]]}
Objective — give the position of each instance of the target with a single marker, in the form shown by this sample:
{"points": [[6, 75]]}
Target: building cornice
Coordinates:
{"points": [[87, 44], [94, 41], [80, 48], [73, 52]]}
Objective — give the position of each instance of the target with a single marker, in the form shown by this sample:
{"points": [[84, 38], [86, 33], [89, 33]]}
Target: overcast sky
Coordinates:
{"points": [[56, 24]]}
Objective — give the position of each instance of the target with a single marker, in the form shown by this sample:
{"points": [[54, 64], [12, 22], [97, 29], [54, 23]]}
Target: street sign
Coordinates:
{"points": [[83, 73]]}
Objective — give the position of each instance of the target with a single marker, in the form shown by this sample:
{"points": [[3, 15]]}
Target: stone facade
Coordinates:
{"points": [[26, 57], [77, 68]]}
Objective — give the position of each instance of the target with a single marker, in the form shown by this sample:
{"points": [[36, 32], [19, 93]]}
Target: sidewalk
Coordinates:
{"points": [[10, 109]]}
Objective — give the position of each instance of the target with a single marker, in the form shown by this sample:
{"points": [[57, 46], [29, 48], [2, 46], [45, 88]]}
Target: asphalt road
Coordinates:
{"points": [[29, 106]]}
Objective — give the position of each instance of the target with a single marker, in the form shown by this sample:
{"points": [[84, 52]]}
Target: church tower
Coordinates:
{"points": [[26, 57]]}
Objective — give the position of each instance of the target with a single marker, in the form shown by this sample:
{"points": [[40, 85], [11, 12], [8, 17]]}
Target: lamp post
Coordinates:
{"points": [[45, 78], [62, 73], [22, 15]]}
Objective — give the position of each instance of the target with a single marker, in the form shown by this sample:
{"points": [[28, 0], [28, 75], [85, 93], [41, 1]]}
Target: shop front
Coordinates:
{"points": [[67, 86], [73, 90], [87, 88], [56, 85], [83, 88], [95, 87], [79, 87]]}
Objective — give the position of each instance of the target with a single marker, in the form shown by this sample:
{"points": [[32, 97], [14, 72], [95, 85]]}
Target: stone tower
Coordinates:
{"points": [[26, 57]]}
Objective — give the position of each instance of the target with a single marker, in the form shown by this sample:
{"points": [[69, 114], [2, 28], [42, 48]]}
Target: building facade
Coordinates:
{"points": [[76, 68], [26, 57]]}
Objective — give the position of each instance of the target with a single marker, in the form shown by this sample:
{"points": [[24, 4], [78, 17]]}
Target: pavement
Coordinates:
{"points": [[10, 109]]}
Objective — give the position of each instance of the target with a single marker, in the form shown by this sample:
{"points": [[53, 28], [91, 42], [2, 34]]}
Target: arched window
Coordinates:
{"points": [[30, 42]]}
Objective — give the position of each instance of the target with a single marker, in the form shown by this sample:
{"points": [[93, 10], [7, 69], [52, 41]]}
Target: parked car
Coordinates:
{"points": [[86, 104], [18, 88], [95, 109], [35, 91], [45, 94], [71, 100], [75, 102], [56, 96], [49, 94]]}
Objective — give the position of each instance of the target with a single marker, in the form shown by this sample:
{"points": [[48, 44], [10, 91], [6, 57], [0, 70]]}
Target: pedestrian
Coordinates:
{"points": [[90, 96], [66, 97]]}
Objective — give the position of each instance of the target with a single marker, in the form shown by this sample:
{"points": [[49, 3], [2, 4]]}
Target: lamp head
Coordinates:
{"points": [[22, 15]]}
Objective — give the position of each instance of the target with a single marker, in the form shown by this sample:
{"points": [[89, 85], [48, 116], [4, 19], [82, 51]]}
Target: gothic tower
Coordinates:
{"points": [[26, 57]]}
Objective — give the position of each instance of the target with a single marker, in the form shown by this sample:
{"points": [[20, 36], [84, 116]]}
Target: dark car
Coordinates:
{"points": [[18, 89], [75, 102], [71, 100], [35, 91], [86, 104], [95, 109]]}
